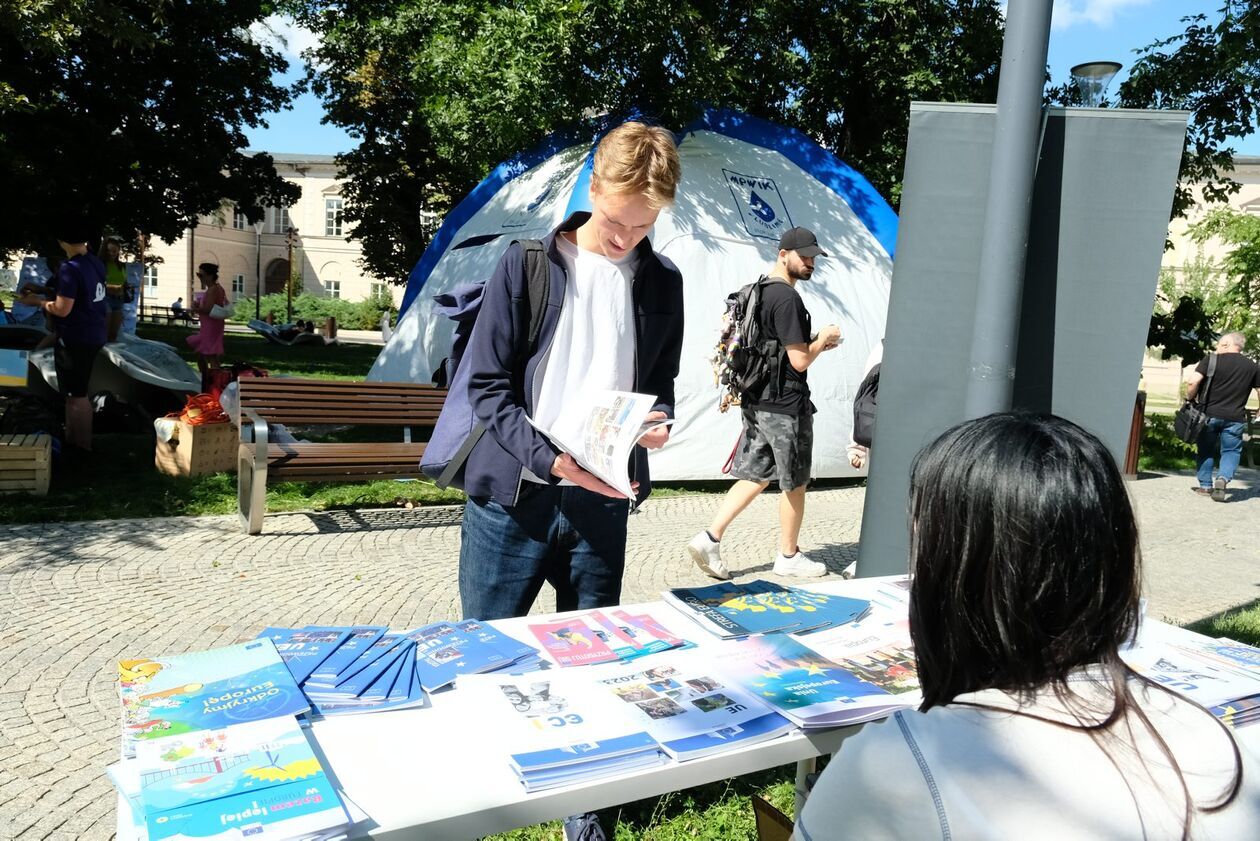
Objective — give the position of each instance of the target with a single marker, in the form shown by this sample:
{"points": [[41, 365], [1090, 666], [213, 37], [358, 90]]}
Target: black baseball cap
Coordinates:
{"points": [[802, 241]]}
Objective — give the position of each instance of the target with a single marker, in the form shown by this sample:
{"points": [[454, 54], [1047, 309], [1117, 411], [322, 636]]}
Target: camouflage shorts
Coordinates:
{"points": [[775, 446]]}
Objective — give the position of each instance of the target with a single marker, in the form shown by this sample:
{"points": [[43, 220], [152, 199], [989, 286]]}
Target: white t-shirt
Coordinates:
{"points": [[966, 773], [593, 347]]}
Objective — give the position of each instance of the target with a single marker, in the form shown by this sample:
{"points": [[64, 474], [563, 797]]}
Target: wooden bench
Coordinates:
{"points": [[295, 402]]}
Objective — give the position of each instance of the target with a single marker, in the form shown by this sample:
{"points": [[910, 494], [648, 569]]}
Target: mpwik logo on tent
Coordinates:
{"points": [[760, 204]]}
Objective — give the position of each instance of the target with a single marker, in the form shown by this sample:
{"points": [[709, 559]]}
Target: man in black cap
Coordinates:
{"points": [[778, 434], [80, 312]]}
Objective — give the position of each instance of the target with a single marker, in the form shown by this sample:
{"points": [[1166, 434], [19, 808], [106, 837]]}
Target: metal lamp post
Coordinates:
{"points": [[290, 236], [1092, 79], [258, 279]]}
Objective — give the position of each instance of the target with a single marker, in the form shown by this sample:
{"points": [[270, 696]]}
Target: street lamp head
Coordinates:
{"points": [[1092, 79]]}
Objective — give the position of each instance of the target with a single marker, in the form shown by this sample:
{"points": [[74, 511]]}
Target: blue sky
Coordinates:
{"points": [[1083, 30]]}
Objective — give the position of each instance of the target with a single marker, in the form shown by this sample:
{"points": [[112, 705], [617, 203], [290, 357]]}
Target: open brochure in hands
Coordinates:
{"points": [[601, 429]]}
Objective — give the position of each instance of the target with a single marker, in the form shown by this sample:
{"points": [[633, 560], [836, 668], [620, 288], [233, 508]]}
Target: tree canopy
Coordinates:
{"points": [[1211, 70], [132, 113], [439, 91]]}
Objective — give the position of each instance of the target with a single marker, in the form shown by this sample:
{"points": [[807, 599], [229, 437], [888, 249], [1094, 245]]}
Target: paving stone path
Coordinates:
{"points": [[74, 598]]}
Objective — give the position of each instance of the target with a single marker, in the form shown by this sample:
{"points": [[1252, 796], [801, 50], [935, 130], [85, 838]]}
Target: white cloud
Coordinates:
{"points": [[285, 35], [1101, 13]]}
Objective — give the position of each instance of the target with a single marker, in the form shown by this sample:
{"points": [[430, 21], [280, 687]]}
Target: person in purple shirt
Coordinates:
{"points": [[80, 309]]}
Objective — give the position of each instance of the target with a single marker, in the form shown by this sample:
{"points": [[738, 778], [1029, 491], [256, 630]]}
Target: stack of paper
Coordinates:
{"points": [[257, 780], [212, 748], [816, 692], [1222, 675], [599, 637], [371, 669], [557, 729], [730, 610], [691, 709]]}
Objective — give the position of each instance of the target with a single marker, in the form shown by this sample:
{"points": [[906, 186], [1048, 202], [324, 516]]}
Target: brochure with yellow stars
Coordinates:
{"points": [[809, 689]]}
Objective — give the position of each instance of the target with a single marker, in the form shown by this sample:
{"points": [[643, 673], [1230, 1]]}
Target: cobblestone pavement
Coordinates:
{"points": [[74, 598]]}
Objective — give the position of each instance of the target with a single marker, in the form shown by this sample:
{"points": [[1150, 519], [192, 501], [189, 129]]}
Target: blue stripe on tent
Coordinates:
{"points": [[580, 199], [473, 202], [845, 181]]}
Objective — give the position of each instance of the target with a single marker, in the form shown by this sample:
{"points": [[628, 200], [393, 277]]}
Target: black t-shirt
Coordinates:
{"points": [[1235, 377], [783, 316]]}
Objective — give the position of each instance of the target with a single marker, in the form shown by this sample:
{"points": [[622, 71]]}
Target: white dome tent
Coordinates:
{"points": [[744, 181]]}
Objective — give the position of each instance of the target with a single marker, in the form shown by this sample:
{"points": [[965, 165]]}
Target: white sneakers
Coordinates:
{"points": [[707, 553], [799, 566]]}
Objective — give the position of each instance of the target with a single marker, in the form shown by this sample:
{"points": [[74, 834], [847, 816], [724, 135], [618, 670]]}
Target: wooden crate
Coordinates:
{"points": [[25, 464], [197, 450]]}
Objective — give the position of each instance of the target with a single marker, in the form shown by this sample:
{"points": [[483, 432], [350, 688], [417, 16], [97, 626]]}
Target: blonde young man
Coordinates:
{"points": [[533, 515]]}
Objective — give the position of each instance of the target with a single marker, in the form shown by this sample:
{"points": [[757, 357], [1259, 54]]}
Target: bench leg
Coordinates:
{"points": [[251, 490]]}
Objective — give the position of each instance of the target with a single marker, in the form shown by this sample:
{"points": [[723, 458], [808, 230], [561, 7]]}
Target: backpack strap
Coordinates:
{"points": [[1207, 383], [538, 274]]}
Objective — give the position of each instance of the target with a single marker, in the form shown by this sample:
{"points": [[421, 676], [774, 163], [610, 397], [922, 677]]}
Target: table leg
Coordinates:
{"points": [[804, 768]]}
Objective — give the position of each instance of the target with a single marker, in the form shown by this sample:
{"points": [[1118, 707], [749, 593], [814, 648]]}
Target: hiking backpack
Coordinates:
{"points": [[865, 402], [744, 361], [457, 429]]}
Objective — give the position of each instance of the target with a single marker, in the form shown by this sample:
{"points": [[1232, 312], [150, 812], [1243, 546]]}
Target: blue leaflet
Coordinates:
{"points": [[448, 650], [304, 649], [360, 640]]}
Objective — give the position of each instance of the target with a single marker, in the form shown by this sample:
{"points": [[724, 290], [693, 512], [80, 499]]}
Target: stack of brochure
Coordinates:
{"points": [[369, 669], [1222, 675], [557, 727], [598, 637], [730, 610], [691, 709], [211, 743], [816, 692]]}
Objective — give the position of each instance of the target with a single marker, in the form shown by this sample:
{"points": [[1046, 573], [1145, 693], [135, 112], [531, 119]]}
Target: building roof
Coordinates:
{"points": [[294, 157]]}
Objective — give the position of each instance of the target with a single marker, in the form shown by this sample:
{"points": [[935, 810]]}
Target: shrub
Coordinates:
{"points": [[350, 315]]}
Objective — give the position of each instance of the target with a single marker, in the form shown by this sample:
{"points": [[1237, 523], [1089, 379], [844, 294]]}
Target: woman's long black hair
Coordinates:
{"points": [[1024, 550]]}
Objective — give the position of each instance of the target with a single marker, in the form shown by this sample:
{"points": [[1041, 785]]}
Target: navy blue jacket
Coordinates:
{"points": [[497, 384]]}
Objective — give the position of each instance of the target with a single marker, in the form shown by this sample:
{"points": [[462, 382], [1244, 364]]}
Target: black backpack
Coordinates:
{"points": [[864, 405], [457, 430], [745, 362]]}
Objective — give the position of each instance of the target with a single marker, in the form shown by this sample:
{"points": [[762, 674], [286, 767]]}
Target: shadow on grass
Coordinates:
{"points": [[714, 812], [1240, 623]]}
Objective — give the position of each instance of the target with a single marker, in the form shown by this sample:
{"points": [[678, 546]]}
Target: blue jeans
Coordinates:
{"points": [[1228, 436], [570, 538]]}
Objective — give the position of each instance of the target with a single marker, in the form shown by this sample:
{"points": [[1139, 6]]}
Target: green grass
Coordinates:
{"points": [[714, 812], [1241, 624], [124, 483], [1162, 450], [330, 362]]}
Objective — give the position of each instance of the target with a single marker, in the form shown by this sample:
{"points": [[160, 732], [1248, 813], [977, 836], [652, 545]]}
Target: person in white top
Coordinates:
{"points": [[1024, 551]]}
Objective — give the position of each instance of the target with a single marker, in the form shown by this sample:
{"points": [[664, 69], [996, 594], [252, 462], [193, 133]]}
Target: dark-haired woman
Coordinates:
{"points": [[115, 287], [1024, 551], [208, 340]]}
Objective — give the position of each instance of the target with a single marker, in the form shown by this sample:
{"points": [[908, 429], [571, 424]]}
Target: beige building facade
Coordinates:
{"points": [[253, 258], [257, 257], [1162, 379]]}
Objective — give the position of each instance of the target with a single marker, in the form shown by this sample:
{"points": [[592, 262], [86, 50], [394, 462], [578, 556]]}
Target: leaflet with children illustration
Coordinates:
{"points": [[183, 693], [600, 431]]}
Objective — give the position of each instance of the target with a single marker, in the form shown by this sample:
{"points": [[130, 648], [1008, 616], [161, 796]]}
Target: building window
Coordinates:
{"points": [[279, 220], [333, 287], [332, 217], [378, 290], [238, 220], [150, 277], [238, 285]]}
